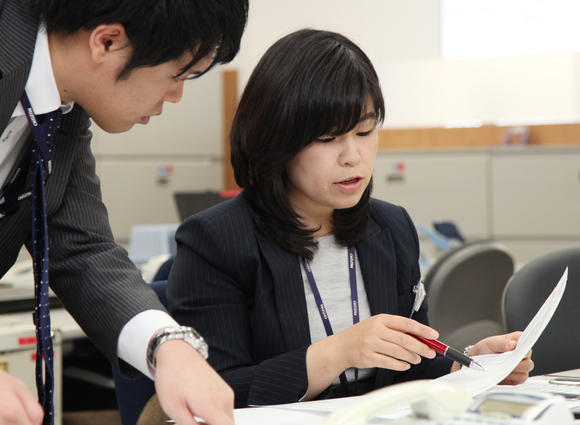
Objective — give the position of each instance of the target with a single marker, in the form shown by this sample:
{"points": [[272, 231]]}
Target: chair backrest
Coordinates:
{"points": [[558, 348], [464, 290], [133, 394]]}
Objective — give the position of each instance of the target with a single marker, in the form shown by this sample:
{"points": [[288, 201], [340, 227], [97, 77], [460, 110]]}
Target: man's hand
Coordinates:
{"points": [[17, 405], [187, 386]]}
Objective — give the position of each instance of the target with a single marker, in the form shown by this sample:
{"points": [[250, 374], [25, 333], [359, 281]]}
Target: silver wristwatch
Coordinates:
{"points": [[185, 333]]}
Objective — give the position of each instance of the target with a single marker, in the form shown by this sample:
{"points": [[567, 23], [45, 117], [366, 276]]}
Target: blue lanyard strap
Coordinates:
{"points": [[322, 309], [43, 134]]}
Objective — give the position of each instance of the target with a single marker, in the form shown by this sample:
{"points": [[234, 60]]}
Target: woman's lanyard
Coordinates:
{"points": [[322, 308]]}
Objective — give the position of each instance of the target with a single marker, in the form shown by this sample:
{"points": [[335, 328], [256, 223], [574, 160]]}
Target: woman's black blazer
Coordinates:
{"points": [[245, 295]]}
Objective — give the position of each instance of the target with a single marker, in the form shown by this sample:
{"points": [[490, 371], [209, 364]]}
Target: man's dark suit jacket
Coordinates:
{"points": [[245, 294], [91, 275]]}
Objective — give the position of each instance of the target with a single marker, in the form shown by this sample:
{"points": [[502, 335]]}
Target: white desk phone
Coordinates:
{"points": [[443, 404]]}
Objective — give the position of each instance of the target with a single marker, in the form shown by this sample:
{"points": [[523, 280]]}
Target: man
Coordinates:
{"points": [[116, 61]]}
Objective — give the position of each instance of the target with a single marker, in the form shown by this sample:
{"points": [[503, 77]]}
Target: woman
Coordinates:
{"points": [[304, 276]]}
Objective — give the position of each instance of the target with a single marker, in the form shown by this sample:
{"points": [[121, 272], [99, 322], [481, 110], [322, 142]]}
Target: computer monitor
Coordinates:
{"points": [[189, 203]]}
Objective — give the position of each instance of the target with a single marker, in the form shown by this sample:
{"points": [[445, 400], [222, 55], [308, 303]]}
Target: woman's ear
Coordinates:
{"points": [[107, 39]]}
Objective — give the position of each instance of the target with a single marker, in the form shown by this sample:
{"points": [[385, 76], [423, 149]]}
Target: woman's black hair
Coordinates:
{"points": [[159, 30], [308, 84]]}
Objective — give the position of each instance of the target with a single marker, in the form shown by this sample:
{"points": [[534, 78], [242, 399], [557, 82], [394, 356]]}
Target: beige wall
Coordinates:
{"points": [[402, 39], [186, 139]]}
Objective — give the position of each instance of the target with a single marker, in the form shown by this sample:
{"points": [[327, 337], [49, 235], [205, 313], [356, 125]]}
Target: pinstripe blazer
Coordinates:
{"points": [[245, 294], [92, 276]]}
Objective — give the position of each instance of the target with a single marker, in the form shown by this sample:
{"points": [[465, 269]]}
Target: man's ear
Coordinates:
{"points": [[106, 39]]}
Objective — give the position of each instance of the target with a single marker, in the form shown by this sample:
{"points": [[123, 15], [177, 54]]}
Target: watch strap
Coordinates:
{"points": [[184, 333]]}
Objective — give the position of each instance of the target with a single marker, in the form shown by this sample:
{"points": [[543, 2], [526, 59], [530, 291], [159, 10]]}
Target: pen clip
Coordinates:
{"points": [[419, 291]]}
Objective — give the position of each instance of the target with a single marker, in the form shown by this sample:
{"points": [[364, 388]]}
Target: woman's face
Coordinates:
{"points": [[332, 172]]}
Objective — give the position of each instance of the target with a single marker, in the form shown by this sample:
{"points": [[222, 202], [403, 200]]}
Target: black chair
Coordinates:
{"points": [[464, 289], [163, 274], [133, 394], [558, 348]]}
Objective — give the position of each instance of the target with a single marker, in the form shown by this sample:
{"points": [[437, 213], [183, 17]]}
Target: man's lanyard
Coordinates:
{"points": [[43, 139], [322, 308], [43, 134]]}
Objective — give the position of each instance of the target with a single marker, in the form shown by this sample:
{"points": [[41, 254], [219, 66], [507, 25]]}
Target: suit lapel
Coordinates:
{"points": [[289, 293], [378, 266], [18, 34]]}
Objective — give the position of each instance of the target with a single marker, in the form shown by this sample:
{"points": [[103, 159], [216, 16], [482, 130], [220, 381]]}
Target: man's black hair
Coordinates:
{"points": [[308, 84], [159, 30]]}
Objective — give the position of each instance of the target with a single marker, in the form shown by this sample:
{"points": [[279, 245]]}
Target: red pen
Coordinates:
{"points": [[449, 352]]}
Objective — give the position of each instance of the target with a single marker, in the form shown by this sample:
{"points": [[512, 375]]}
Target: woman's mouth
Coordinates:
{"points": [[350, 184]]}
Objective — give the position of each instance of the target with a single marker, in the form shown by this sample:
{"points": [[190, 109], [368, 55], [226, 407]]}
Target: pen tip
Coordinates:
{"points": [[475, 365]]}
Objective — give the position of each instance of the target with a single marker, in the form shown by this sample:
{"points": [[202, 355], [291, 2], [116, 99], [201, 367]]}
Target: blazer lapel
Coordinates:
{"points": [[18, 34], [378, 266], [289, 293]]}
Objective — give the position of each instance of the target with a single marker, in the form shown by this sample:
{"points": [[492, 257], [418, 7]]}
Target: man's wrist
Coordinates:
{"points": [[180, 333]]}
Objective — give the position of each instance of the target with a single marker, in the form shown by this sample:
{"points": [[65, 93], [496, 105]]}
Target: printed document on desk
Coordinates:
{"points": [[498, 366]]}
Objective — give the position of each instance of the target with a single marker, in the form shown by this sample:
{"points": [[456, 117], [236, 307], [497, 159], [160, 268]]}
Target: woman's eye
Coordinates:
{"points": [[325, 139], [364, 133], [186, 77]]}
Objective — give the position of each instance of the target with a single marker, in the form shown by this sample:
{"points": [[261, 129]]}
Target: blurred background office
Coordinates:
{"points": [[481, 142], [483, 101]]}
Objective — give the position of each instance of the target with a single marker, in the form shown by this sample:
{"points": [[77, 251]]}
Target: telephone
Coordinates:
{"points": [[444, 404]]}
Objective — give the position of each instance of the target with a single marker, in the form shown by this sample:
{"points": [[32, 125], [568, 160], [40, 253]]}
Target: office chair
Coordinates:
{"points": [[133, 394], [163, 273], [464, 289], [558, 347]]}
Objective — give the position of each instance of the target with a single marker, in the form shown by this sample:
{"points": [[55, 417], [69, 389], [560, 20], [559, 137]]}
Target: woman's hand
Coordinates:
{"points": [[384, 341], [379, 341], [500, 344]]}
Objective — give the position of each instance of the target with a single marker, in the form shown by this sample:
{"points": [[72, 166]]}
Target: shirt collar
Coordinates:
{"points": [[41, 86]]}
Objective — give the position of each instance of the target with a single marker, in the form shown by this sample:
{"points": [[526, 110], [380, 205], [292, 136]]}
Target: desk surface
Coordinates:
{"points": [[60, 319], [315, 412]]}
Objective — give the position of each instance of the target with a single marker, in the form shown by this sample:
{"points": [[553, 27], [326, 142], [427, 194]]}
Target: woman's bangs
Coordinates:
{"points": [[340, 105]]}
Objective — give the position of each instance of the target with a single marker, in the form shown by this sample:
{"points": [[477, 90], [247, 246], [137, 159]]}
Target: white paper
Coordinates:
{"points": [[545, 384], [498, 366], [326, 407], [274, 415]]}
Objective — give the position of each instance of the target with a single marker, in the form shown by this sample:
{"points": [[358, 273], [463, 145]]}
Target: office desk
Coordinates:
{"points": [[17, 335], [315, 412], [60, 320]]}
